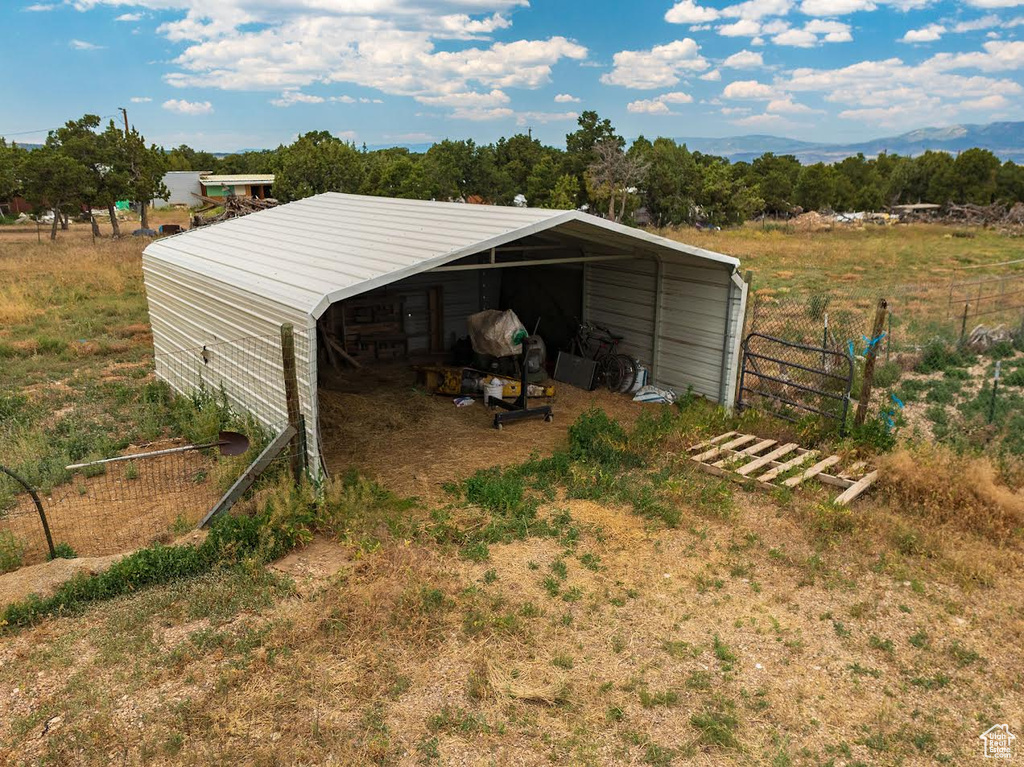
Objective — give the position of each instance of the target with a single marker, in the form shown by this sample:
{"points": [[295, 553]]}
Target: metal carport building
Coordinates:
{"points": [[680, 308]]}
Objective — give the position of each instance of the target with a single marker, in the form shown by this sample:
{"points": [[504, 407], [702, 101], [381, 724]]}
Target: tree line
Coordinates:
{"points": [[83, 167], [597, 170]]}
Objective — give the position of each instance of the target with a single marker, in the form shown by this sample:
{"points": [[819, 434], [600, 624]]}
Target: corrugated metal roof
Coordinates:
{"points": [[314, 252], [239, 178]]}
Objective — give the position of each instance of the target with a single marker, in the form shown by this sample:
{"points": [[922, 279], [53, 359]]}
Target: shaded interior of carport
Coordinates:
{"points": [[675, 312]]}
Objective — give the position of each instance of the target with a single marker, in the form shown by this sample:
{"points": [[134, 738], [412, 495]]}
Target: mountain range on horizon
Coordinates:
{"points": [[1004, 139]]}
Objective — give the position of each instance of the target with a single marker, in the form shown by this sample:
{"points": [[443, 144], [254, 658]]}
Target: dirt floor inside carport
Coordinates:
{"points": [[413, 442]]}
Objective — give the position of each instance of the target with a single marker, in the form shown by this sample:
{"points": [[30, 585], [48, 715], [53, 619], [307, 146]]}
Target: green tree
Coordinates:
{"points": [[316, 163], [774, 179], [579, 146], [79, 141], [976, 171], [1009, 182], [184, 157], [52, 180], [565, 193], [933, 180], [11, 157], [142, 167], [672, 183], [816, 188]]}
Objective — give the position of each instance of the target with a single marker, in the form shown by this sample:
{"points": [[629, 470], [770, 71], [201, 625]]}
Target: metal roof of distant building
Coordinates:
{"points": [[311, 253], [239, 178]]}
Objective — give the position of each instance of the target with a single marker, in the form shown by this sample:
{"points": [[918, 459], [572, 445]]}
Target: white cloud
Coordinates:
{"points": [[749, 90], [398, 47], [759, 9], [466, 99], [40, 7], [893, 94], [676, 97], [974, 25], [835, 7], [346, 135], [83, 45], [796, 38], [342, 99], [140, 99], [997, 56], [648, 107], [659, 67], [741, 28], [566, 98], [288, 98], [659, 105], [188, 107], [788, 106], [367, 100], [764, 121], [129, 17], [744, 60], [928, 34], [996, 3], [713, 76], [688, 12], [481, 114], [527, 118]]}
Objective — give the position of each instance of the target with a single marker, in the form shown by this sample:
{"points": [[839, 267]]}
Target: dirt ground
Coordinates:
{"points": [[413, 442], [792, 654], [131, 505]]}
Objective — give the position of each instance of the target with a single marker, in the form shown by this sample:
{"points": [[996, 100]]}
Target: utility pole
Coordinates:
{"points": [[124, 111]]}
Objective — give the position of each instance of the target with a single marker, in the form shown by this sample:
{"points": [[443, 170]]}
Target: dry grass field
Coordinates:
{"points": [[607, 606]]}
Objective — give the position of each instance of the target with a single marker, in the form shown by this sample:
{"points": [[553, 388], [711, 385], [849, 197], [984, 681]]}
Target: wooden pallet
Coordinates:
{"points": [[745, 457]]}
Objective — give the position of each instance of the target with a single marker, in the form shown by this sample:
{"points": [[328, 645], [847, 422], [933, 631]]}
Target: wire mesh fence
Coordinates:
{"points": [[926, 328], [98, 508]]}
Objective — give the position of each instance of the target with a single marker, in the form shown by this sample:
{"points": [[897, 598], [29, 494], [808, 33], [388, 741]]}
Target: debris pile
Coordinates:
{"points": [[233, 207], [983, 338], [996, 214]]}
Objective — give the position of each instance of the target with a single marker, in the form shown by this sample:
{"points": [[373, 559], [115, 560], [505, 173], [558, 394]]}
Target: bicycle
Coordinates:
{"points": [[596, 342]]}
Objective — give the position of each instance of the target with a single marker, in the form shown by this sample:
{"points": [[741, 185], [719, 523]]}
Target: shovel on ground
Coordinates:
{"points": [[229, 443]]}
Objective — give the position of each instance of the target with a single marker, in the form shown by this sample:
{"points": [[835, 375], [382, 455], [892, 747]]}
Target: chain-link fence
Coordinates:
{"points": [[97, 507]]}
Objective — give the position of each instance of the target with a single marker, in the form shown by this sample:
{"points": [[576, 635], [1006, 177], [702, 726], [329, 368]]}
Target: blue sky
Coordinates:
{"points": [[231, 74]]}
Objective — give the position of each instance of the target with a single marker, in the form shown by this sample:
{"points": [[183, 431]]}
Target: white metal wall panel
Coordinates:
{"points": [[738, 312], [241, 335], [693, 332], [622, 295], [180, 186]]}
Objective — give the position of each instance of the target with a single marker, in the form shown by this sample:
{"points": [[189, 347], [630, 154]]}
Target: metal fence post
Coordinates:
{"points": [[869, 363], [291, 392], [39, 508]]}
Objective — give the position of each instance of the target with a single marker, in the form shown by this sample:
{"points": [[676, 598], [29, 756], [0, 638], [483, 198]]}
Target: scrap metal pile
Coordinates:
{"points": [[233, 207]]}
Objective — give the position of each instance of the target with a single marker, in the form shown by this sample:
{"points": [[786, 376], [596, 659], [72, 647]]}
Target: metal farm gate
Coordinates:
{"points": [[788, 379]]}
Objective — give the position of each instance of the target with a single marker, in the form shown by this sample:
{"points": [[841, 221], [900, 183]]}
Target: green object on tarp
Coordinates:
{"points": [[519, 336], [122, 204]]}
